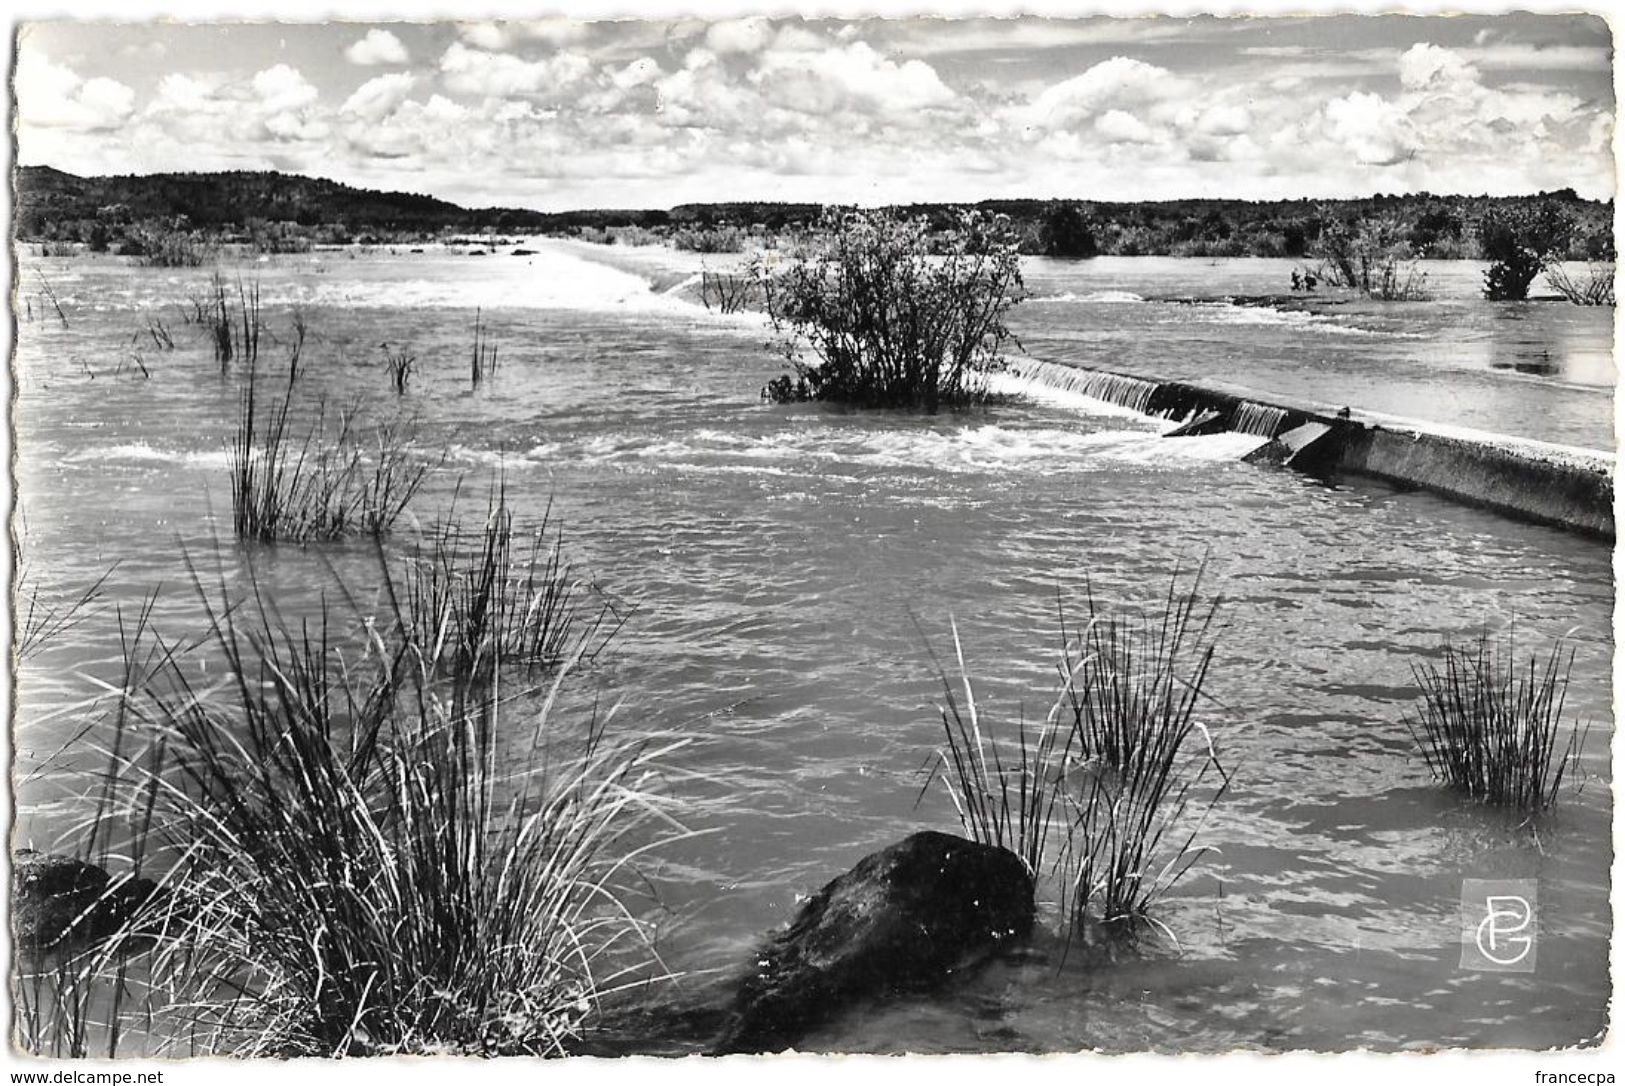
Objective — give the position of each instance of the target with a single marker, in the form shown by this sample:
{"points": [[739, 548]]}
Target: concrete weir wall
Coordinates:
{"points": [[1549, 484]]}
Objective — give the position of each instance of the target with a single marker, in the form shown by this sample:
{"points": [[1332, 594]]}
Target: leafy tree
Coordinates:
{"points": [[889, 316], [1518, 241], [1432, 225], [1294, 242], [1065, 230]]}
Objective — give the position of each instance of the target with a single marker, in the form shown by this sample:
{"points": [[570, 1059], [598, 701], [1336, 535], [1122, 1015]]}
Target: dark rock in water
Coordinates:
{"points": [[62, 906], [906, 917]]}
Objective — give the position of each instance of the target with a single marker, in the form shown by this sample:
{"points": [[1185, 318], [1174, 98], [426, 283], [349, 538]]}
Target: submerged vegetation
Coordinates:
{"points": [[886, 322], [1491, 726], [1106, 795]]}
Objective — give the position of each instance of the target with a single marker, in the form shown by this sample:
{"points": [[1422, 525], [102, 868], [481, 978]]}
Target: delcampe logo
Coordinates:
{"points": [[1498, 921]]}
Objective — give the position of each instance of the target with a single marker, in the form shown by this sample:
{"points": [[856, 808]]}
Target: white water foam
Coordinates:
{"points": [[833, 454], [1294, 319], [1170, 452], [141, 452], [1099, 297]]}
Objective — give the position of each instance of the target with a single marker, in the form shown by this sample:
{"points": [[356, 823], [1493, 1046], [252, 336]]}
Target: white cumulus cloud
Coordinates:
{"points": [[503, 75], [739, 35], [830, 79], [377, 47], [1427, 65], [1119, 83], [1119, 126], [1376, 131], [377, 98], [50, 95], [282, 89]]}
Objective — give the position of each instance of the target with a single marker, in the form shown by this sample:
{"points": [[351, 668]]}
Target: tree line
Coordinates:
{"points": [[272, 210]]}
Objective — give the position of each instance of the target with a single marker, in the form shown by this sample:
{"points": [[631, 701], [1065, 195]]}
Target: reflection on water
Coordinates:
{"points": [[784, 560]]}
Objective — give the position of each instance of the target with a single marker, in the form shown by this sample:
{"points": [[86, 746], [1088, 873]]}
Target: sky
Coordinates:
{"points": [[556, 113]]}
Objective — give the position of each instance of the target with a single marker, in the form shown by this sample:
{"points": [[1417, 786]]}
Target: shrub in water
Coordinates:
{"points": [[888, 324], [1064, 230], [1596, 289], [1372, 255], [1519, 241], [1491, 728], [702, 239]]}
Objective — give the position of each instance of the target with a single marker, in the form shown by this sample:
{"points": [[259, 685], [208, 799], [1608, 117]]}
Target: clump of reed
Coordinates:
{"points": [[216, 319], [474, 600], [358, 852], [1108, 793], [1596, 289], [398, 364], [319, 482], [138, 361], [483, 361], [299, 329], [158, 331], [50, 295], [1490, 726], [248, 308]]}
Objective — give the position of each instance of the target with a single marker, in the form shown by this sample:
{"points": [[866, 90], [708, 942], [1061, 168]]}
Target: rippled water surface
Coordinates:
{"points": [[786, 560]]}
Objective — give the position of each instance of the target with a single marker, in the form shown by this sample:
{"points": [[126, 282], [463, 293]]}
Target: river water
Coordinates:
{"points": [[790, 563]]}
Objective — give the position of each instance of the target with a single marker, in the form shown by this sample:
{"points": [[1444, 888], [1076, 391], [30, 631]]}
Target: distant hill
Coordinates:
{"points": [[223, 200]]}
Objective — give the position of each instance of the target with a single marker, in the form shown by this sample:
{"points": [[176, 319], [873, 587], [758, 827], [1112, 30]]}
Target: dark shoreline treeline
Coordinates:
{"points": [[276, 211]]}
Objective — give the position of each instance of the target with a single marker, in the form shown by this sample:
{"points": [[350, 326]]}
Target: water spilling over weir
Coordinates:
{"points": [[1264, 420], [1120, 389], [1550, 484]]}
